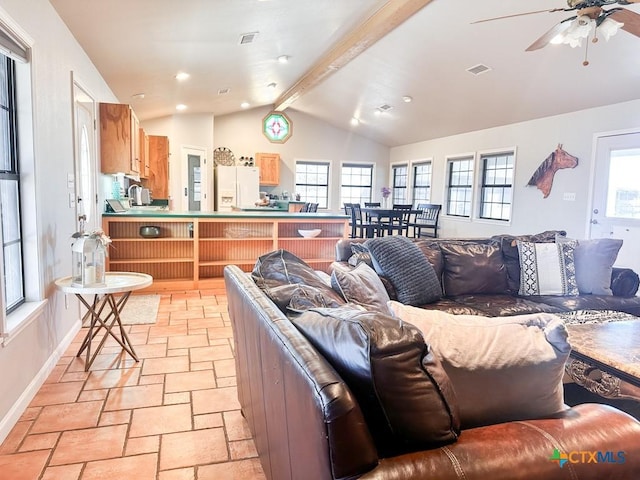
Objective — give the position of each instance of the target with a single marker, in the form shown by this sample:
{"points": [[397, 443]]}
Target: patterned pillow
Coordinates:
{"points": [[360, 255], [547, 268]]}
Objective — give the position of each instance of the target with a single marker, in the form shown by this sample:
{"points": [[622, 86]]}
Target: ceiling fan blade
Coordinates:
{"points": [[630, 19], [519, 15], [544, 40]]}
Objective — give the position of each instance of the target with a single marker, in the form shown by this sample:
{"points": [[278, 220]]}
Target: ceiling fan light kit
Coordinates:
{"points": [[590, 19]]}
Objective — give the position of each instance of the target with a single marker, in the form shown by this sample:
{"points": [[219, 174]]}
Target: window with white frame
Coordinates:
{"points": [[421, 183], [312, 182], [459, 186], [497, 186], [356, 183], [12, 245], [399, 186]]}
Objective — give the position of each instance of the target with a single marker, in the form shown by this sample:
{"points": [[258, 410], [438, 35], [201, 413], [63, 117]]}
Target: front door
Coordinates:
{"points": [[615, 212], [86, 194]]}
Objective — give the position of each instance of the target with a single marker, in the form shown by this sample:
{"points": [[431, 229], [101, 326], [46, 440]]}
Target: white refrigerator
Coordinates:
{"points": [[236, 187]]}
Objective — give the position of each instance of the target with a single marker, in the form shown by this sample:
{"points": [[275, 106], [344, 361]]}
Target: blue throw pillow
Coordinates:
{"points": [[401, 261]]}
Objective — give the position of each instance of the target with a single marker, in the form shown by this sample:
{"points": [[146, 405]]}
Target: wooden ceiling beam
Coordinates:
{"points": [[387, 18]]}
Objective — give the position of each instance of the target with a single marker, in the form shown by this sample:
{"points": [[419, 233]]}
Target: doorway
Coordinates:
{"points": [[615, 209], [85, 158]]}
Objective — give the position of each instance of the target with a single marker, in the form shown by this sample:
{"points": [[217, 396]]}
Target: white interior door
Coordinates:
{"points": [[615, 209], [84, 118]]}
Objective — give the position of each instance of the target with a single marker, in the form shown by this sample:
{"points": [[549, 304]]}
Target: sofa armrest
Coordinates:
{"points": [[624, 282]]}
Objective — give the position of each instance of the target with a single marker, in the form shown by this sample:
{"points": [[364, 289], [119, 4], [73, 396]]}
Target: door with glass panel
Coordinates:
{"points": [[615, 211]]}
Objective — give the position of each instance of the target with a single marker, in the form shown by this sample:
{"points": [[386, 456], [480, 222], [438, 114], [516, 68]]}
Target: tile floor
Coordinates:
{"points": [[172, 416]]}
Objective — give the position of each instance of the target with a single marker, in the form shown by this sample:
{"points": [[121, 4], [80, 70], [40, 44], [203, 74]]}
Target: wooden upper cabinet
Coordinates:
{"points": [[144, 154], [158, 179], [119, 139], [269, 165]]}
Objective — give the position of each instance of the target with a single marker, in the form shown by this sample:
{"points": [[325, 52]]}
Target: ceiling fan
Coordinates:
{"points": [[590, 18]]}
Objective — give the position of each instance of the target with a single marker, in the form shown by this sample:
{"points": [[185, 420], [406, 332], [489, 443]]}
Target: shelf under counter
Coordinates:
{"points": [[195, 248]]}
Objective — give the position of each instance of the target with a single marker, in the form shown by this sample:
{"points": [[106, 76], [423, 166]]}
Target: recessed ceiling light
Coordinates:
{"points": [[407, 99], [354, 121], [283, 59], [180, 76], [181, 106], [245, 105]]}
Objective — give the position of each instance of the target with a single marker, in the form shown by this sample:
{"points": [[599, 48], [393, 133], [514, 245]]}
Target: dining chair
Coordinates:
{"points": [[427, 219], [313, 207], [399, 221], [361, 228], [370, 205], [305, 207]]}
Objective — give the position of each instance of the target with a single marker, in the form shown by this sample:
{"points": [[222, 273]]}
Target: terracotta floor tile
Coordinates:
{"points": [[89, 395], [79, 376], [139, 467], [53, 393], [200, 323], [63, 472], [15, 437], [117, 417], [178, 352], [239, 470], [69, 416], [188, 341], [154, 366], [90, 444], [134, 397], [187, 381], [151, 379], [170, 331], [56, 374], [30, 413], [23, 466], [136, 446], [225, 368], [219, 332], [192, 448], [112, 378], [151, 351], [236, 426], [178, 474], [216, 352], [197, 366], [242, 449], [156, 420], [43, 441], [215, 400], [208, 420], [196, 312], [226, 382]]}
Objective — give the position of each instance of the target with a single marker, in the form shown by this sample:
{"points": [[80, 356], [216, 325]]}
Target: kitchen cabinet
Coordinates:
{"points": [[158, 178], [144, 154], [269, 165], [119, 139]]}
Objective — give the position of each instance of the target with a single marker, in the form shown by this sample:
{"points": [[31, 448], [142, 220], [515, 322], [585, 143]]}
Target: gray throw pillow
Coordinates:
{"points": [[594, 261], [401, 261], [361, 286]]}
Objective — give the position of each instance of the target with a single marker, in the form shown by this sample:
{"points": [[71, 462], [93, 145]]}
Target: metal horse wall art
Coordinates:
{"points": [[543, 176]]}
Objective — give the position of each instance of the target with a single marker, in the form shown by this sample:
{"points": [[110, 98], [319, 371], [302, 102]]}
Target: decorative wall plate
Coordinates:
{"points": [[223, 156]]}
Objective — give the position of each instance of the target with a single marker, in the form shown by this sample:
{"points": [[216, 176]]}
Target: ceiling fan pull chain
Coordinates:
{"points": [[586, 53]]}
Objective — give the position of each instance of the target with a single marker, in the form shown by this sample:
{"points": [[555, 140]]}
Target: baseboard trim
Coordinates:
{"points": [[18, 408]]}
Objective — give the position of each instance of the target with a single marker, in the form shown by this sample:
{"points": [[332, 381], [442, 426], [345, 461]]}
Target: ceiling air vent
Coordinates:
{"points": [[478, 69], [247, 38], [224, 91], [385, 107]]}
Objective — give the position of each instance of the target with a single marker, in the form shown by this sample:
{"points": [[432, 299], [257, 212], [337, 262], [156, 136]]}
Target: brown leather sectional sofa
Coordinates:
{"points": [[307, 424], [472, 267]]}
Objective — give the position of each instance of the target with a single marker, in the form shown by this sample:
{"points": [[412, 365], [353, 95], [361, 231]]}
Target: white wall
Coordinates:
{"points": [[534, 141], [311, 139], [184, 130], [26, 359]]}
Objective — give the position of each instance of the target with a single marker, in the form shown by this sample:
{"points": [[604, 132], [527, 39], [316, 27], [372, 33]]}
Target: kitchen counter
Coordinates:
{"points": [[257, 212], [194, 247]]}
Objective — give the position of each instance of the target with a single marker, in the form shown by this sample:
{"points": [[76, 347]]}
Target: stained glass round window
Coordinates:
{"points": [[277, 127]]}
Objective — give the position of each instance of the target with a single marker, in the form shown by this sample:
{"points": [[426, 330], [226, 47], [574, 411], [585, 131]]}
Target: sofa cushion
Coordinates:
{"points": [[509, 247], [547, 268], [404, 393], [401, 261], [473, 268], [280, 274], [502, 369], [594, 261], [361, 286], [432, 251]]}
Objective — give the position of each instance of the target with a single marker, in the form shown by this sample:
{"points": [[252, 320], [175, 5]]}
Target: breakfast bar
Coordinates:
{"points": [[190, 249]]}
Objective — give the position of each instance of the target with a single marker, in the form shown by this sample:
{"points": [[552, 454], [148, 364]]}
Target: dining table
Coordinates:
{"points": [[385, 217]]}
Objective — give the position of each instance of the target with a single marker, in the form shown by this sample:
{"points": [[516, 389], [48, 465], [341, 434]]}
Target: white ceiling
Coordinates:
{"points": [[138, 47]]}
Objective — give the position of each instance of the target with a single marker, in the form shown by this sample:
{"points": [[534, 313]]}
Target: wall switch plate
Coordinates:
{"points": [[71, 180], [569, 196]]}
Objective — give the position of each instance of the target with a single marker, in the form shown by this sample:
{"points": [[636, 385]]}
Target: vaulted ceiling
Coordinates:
{"points": [[338, 69]]}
